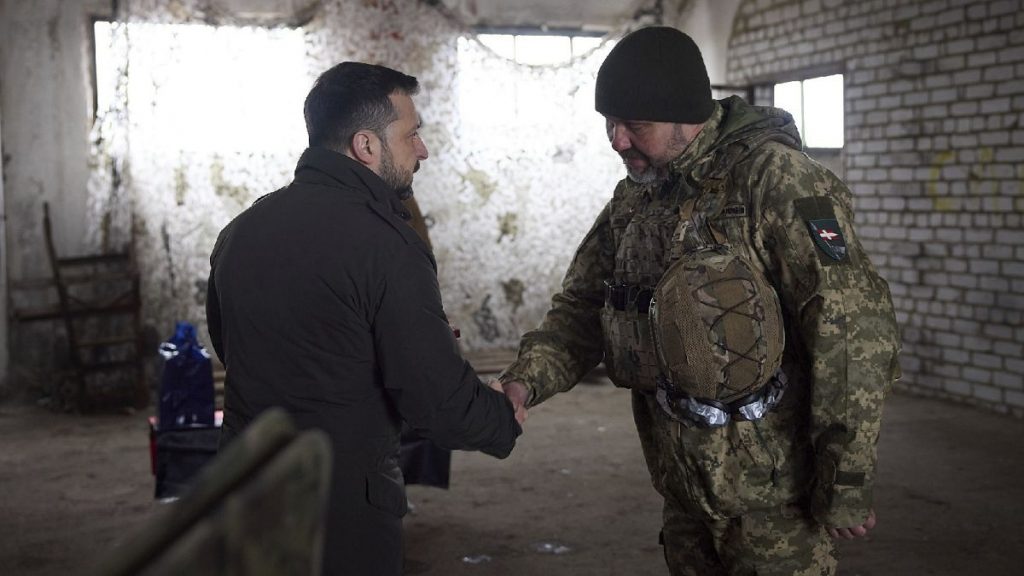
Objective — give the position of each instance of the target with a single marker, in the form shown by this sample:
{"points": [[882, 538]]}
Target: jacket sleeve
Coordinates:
{"points": [[841, 314], [568, 344], [434, 389]]}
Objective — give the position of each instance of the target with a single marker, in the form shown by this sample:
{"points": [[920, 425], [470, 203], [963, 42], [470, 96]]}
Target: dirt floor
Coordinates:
{"points": [[573, 499]]}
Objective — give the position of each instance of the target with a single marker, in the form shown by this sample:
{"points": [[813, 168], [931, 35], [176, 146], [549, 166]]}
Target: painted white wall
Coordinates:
{"points": [[46, 99], [47, 105]]}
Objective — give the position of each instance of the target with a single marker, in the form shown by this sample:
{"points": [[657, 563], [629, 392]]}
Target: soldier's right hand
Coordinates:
{"points": [[516, 393]]}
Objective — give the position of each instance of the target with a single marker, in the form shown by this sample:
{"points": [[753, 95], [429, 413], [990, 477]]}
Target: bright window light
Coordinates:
{"points": [[817, 106], [543, 50], [823, 111], [788, 97], [503, 45], [540, 49], [495, 97], [218, 90], [583, 44]]}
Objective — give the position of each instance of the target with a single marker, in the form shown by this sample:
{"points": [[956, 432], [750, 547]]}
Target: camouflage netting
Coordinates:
{"points": [[508, 192]]}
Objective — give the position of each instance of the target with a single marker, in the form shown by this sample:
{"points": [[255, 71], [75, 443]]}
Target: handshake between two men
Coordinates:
{"points": [[517, 394]]}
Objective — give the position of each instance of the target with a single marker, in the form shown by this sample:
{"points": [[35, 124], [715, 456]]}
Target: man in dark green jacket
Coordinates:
{"points": [[324, 301], [754, 482]]}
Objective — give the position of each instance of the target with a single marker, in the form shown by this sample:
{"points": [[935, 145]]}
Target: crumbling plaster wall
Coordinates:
{"points": [[504, 219], [504, 222], [46, 100], [934, 155]]}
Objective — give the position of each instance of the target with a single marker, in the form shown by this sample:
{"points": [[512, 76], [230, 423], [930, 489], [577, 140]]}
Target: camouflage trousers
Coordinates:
{"points": [[783, 542], [729, 500]]}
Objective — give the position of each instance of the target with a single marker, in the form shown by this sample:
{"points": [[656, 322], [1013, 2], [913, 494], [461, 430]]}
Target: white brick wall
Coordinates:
{"points": [[935, 158]]}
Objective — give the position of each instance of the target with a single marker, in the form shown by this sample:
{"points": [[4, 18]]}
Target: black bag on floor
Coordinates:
{"points": [[180, 454]]}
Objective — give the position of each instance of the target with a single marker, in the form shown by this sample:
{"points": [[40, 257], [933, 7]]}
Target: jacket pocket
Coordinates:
{"points": [[729, 471], [386, 493]]}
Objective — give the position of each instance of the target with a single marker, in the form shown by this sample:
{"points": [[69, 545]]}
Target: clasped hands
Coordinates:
{"points": [[516, 393]]}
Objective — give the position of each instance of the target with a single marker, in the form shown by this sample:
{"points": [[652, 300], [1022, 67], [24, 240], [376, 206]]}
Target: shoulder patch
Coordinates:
{"points": [[828, 237], [823, 226]]}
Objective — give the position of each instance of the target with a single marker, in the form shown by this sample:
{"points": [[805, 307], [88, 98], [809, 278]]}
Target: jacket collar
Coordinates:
{"points": [[323, 166]]}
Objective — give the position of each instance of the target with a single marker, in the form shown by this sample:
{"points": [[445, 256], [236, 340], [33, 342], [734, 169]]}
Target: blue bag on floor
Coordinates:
{"points": [[186, 386]]}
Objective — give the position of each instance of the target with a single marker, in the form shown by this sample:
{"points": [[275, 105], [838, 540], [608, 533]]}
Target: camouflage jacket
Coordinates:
{"points": [[794, 220]]}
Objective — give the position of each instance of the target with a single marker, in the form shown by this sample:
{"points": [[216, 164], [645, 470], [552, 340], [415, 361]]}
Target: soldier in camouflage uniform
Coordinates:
{"points": [[752, 496]]}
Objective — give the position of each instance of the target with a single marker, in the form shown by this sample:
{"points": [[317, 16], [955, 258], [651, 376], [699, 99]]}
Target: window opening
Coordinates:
{"points": [[539, 47], [220, 89], [539, 79], [817, 107]]}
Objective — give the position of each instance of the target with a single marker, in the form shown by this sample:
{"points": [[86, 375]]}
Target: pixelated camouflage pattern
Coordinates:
{"points": [[779, 542], [641, 239], [841, 334], [728, 471], [630, 354]]}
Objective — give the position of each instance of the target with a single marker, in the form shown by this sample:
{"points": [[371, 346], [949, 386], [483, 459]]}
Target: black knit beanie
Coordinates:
{"points": [[655, 74]]}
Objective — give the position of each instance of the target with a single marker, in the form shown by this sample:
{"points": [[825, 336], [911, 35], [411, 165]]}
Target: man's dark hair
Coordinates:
{"points": [[350, 97]]}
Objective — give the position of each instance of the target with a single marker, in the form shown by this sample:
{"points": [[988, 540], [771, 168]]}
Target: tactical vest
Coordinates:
{"points": [[664, 241]]}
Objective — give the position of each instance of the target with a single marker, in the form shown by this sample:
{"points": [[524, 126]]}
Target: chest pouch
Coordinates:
{"points": [[629, 353]]}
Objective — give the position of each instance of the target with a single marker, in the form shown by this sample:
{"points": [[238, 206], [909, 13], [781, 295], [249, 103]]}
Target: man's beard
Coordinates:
{"points": [[394, 177], [646, 175], [677, 144]]}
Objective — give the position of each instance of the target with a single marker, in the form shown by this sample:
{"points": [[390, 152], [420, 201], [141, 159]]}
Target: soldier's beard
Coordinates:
{"points": [[677, 144], [648, 175]]}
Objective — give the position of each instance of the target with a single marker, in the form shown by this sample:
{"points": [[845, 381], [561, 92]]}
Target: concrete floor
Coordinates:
{"points": [[949, 500], [950, 495]]}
